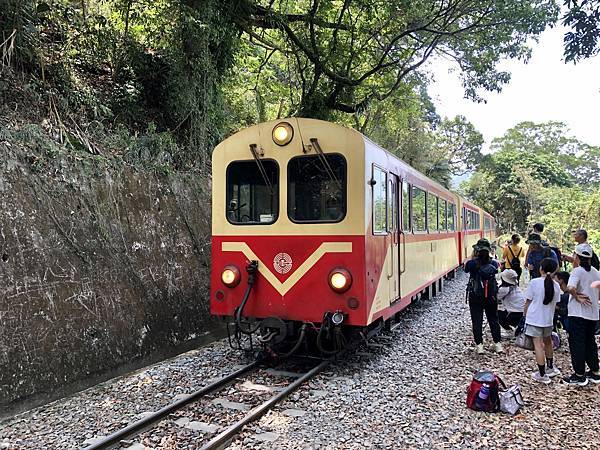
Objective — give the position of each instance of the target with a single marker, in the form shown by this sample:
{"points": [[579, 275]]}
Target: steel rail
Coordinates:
{"points": [[141, 425], [222, 439]]}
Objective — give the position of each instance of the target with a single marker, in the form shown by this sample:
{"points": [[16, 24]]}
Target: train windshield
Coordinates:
{"points": [[317, 188], [252, 192]]}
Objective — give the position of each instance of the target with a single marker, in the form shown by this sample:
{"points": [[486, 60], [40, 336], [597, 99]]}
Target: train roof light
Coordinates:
{"points": [[283, 133]]}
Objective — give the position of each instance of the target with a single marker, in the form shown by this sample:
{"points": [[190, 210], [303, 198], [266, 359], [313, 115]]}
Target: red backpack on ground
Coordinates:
{"points": [[482, 393]]}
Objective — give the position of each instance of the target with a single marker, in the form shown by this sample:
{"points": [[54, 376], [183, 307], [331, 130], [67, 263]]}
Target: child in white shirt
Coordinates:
{"points": [[511, 301], [542, 295]]}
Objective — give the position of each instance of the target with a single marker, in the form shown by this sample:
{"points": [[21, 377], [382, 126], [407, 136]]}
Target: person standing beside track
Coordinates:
{"points": [[580, 236], [536, 253], [583, 315], [513, 254], [482, 294], [542, 295]]}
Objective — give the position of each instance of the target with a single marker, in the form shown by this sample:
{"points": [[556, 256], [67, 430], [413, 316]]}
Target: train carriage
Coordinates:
{"points": [[315, 224]]}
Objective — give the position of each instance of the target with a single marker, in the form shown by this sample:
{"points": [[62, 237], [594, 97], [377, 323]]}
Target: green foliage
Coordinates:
{"points": [[342, 56], [530, 163], [200, 69], [581, 161], [583, 19], [564, 209]]}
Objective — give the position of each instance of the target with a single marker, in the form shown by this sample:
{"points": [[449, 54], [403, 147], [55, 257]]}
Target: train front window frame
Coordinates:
{"points": [[325, 203], [247, 192]]}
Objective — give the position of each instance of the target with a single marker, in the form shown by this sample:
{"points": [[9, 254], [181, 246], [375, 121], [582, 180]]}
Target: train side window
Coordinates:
{"points": [[442, 214], [252, 194], [451, 217], [405, 206], [432, 213], [419, 210], [379, 201], [395, 203], [391, 204], [317, 191]]}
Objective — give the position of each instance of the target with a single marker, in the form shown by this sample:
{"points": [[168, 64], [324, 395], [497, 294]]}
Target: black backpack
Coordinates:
{"points": [[482, 285], [515, 262]]}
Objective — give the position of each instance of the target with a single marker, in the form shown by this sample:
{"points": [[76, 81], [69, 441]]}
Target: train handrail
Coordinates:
{"points": [[403, 244]]}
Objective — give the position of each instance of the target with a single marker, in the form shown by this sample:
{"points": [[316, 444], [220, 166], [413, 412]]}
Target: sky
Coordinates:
{"points": [[542, 90]]}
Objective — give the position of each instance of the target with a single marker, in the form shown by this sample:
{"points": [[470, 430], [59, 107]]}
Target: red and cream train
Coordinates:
{"points": [[315, 227]]}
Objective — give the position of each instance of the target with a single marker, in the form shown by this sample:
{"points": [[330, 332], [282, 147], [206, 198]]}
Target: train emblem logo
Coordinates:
{"points": [[282, 263]]}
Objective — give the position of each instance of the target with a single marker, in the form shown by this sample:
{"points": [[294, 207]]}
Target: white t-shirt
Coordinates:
{"points": [[581, 280], [538, 314], [510, 298]]}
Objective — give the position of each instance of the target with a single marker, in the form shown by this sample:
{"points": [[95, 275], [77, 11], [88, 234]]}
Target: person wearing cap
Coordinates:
{"points": [[536, 253], [583, 311], [580, 236], [537, 228], [510, 300], [483, 269]]}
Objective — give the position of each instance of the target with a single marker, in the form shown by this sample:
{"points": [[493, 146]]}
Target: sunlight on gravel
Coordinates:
{"points": [[407, 391]]}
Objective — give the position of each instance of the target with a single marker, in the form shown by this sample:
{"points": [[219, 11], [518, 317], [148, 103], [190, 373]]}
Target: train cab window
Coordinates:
{"points": [[317, 188], [442, 214], [379, 201], [252, 192], [451, 217], [406, 206], [418, 209], [432, 213]]}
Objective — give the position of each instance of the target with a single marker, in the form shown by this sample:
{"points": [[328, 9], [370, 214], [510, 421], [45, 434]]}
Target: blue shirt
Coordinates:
{"points": [[535, 258]]}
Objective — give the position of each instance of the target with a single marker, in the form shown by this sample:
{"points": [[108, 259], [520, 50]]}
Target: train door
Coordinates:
{"points": [[465, 233], [394, 223]]}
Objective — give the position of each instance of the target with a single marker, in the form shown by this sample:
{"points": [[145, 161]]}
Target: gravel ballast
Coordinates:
{"points": [[407, 390]]}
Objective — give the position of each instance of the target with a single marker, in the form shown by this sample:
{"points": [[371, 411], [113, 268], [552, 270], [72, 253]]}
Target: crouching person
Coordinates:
{"points": [[542, 295], [511, 301]]}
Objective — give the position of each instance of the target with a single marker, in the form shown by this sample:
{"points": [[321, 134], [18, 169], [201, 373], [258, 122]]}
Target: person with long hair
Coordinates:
{"points": [[482, 294], [542, 295], [583, 315]]}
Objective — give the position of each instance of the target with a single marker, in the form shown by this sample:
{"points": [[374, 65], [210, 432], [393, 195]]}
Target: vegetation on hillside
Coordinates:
{"points": [[186, 73], [540, 173]]}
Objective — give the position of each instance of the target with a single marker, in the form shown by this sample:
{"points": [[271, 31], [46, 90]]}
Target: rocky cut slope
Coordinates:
{"points": [[103, 266]]}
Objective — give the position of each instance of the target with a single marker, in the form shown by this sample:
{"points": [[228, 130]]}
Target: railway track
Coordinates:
{"points": [[195, 404]]}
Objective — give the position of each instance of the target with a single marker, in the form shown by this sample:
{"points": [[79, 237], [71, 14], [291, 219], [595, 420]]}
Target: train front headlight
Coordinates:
{"points": [[283, 133], [340, 280], [230, 276]]}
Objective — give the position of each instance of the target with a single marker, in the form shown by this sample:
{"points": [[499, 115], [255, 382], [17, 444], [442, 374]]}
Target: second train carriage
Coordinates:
{"points": [[313, 223]]}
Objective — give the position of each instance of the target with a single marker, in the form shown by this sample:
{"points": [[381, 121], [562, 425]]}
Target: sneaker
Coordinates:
{"points": [[541, 379], [497, 347], [591, 376], [480, 349], [555, 372], [576, 380]]}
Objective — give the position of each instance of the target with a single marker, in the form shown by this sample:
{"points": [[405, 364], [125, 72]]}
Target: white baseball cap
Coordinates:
{"points": [[584, 250]]}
